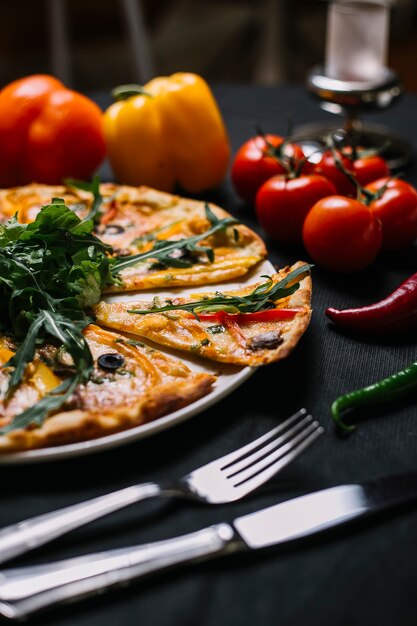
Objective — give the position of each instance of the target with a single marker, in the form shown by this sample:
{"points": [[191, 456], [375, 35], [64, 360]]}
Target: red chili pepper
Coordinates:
{"points": [[270, 315], [396, 313]]}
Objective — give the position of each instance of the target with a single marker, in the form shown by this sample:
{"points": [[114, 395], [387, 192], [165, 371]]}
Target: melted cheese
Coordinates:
{"points": [[129, 213], [177, 329]]}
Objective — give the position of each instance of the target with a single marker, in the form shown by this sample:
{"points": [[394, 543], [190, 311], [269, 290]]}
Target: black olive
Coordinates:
{"points": [[265, 341], [111, 361], [113, 229]]}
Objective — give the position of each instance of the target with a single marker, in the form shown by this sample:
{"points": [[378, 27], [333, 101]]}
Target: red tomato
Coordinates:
{"points": [[342, 234], [282, 204], [397, 211], [254, 164], [366, 169], [328, 168]]}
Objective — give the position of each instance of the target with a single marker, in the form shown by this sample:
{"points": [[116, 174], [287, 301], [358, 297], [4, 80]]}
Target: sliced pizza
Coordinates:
{"points": [[162, 240], [131, 384], [253, 326]]}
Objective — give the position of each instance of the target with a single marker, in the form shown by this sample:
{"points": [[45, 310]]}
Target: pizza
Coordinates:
{"points": [[251, 339], [82, 368], [132, 383], [134, 221]]}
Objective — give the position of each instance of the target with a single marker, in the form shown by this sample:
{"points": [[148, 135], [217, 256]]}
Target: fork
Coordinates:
{"points": [[226, 479]]}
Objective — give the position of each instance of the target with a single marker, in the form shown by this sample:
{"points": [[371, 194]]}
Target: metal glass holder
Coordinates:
{"points": [[352, 98]]}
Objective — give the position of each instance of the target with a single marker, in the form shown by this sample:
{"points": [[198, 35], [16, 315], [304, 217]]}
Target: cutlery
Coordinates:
{"points": [[26, 590], [226, 479]]}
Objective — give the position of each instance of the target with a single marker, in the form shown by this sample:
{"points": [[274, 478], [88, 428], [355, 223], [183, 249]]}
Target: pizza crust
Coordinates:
{"points": [[168, 386], [183, 332], [150, 208], [73, 426], [138, 211]]}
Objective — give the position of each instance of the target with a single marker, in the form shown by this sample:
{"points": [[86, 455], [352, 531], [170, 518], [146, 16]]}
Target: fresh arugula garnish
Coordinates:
{"points": [[51, 402], [94, 215], [263, 297], [50, 271], [55, 268], [151, 235], [131, 342], [180, 253]]}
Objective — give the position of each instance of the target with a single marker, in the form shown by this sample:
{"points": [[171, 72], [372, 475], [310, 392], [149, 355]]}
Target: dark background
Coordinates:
{"points": [[355, 576], [248, 41]]}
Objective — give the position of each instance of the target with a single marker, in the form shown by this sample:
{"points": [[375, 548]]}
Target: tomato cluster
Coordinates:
{"points": [[345, 208]]}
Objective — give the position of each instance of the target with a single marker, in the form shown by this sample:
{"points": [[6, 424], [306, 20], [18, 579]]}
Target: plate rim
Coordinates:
{"points": [[142, 431], [130, 435]]}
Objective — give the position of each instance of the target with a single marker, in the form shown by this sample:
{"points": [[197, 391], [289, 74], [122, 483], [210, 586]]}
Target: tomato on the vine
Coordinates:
{"points": [[370, 168], [366, 169], [342, 234], [397, 211], [282, 204], [259, 159]]}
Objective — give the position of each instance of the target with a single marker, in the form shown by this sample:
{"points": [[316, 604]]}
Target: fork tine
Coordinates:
{"points": [[236, 455], [265, 462], [261, 478], [259, 454]]}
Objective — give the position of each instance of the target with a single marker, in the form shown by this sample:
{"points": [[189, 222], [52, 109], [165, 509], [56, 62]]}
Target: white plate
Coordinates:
{"points": [[230, 377]]}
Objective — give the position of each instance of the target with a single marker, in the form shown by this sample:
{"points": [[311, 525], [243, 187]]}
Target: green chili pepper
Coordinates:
{"points": [[385, 390]]}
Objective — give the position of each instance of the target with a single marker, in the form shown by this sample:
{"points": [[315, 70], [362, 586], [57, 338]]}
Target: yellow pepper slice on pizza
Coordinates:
{"points": [[131, 384]]}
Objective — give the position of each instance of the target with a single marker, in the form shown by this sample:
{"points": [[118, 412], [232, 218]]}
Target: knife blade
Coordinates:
{"points": [[25, 590], [316, 512]]}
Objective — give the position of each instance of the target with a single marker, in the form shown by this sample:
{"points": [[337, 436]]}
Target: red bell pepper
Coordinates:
{"points": [[47, 132]]}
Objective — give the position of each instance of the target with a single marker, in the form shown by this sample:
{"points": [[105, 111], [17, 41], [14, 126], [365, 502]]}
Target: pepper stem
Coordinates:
{"points": [[123, 92]]}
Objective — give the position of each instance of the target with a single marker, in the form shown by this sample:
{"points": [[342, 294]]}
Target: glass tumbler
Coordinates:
{"points": [[357, 39]]}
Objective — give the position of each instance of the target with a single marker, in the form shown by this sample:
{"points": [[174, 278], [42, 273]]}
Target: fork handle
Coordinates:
{"points": [[36, 531], [26, 590]]}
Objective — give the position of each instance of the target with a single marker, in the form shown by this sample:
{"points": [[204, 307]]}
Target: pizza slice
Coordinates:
{"points": [[131, 384], [253, 326], [206, 245]]}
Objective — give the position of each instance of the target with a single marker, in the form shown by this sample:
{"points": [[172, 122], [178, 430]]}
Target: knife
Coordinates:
{"points": [[25, 590]]}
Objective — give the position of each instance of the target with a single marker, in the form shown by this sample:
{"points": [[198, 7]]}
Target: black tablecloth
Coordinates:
{"points": [[361, 575]]}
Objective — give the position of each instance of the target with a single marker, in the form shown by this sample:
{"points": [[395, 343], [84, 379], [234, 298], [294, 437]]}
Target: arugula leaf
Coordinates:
{"points": [[52, 217], [50, 271], [264, 296], [51, 402], [93, 187], [151, 235], [182, 252], [25, 354], [11, 231]]}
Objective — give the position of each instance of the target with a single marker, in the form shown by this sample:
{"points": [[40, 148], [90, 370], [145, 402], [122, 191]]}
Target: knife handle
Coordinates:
{"points": [[25, 590], [36, 531]]}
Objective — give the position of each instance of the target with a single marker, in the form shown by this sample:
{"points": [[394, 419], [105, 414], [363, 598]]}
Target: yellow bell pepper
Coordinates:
{"points": [[5, 355], [37, 375], [43, 379], [169, 132]]}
